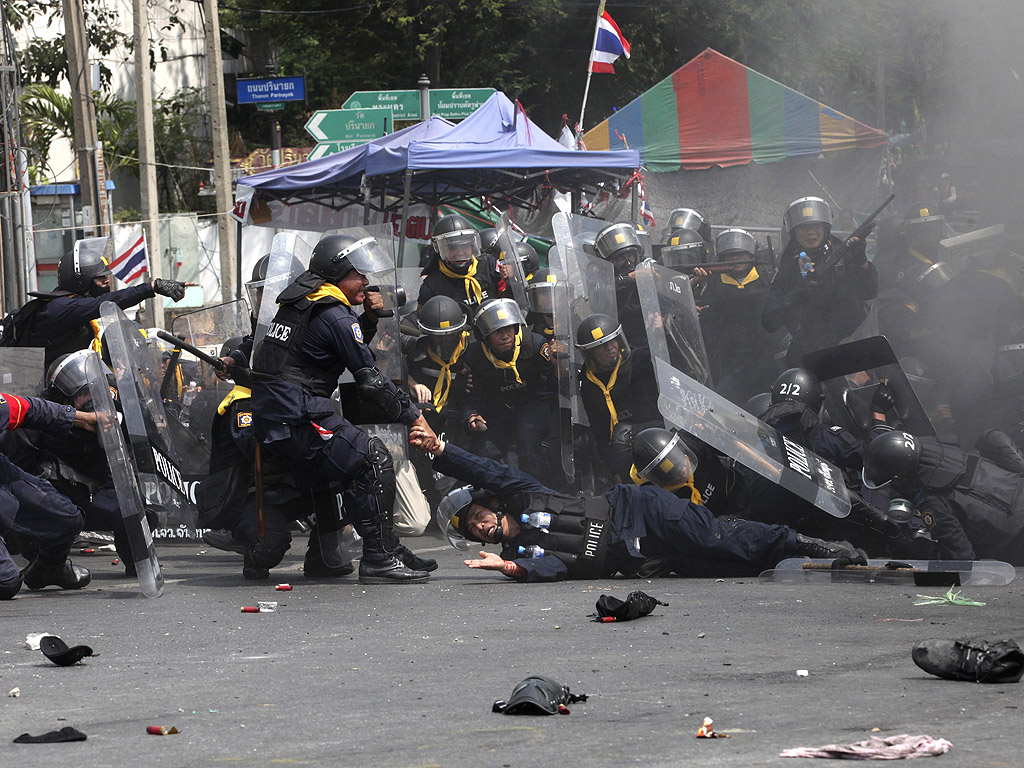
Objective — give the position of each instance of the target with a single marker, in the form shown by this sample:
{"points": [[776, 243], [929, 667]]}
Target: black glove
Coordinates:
{"points": [[884, 399], [858, 253], [172, 289]]}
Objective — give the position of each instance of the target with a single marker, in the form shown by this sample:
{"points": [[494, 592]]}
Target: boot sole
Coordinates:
{"points": [[388, 580]]}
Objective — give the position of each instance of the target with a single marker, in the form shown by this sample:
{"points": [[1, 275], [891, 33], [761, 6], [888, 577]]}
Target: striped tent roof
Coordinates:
{"points": [[715, 111]]}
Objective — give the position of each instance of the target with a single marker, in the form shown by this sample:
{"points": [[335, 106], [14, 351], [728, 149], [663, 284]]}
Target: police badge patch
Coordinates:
{"points": [[244, 419], [357, 331]]}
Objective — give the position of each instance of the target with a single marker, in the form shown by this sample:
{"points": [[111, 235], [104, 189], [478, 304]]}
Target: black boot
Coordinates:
{"points": [[223, 540], [314, 567], [387, 569], [974, 661], [10, 589], [808, 546], [63, 574], [251, 568], [413, 561]]}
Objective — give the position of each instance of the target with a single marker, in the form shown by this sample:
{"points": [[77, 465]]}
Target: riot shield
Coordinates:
{"points": [[23, 371], [567, 366], [508, 256], [126, 481], [673, 329], [692, 407], [955, 251], [152, 436], [587, 273], [850, 373], [284, 251]]}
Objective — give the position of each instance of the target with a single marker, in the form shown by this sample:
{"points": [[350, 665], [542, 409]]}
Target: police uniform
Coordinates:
{"points": [[314, 338], [481, 281], [31, 509], [621, 529]]}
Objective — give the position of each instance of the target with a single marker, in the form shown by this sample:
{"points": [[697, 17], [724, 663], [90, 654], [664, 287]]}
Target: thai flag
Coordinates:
{"points": [[130, 259], [608, 45]]}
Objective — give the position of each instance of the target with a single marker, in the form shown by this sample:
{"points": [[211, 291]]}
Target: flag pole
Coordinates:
{"points": [[590, 70]]}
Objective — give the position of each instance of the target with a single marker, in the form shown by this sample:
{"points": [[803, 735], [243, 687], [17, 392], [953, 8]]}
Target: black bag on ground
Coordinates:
{"points": [[635, 605], [537, 695]]}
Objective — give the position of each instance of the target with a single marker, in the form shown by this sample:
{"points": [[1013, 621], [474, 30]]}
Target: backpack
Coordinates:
{"points": [[17, 325]]}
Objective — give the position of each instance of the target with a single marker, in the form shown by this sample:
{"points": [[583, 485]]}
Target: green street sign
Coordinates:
{"points": [[457, 103], [325, 148], [357, 125], [274, 106], [404, 105]]}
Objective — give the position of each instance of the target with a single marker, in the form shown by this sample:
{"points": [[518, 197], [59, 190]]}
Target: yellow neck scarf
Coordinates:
{"points": [[331, 290], [473, 290], [607, 390], [96, 345], [515, 356], [443, 385], [238, 393], [751, 277], [695, 496]]}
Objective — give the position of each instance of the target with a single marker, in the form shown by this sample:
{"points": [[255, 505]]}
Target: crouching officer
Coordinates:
{"points": [[31, 510], [546, 536], [314, 338]]}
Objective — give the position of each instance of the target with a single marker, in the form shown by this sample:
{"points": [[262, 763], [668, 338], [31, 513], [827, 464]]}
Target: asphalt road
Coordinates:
{"points": [[343, 674]]}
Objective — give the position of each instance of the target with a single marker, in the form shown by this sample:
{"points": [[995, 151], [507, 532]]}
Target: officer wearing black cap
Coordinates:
{"points": [[32, 513], [314, 338], [546, 536], [464, 272], [818, 309], [618, 390], [64, 321]]}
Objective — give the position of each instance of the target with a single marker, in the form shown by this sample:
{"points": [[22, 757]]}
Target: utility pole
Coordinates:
{"points": [[221, 158], [147, 154], [880, 89], [86, 134]]}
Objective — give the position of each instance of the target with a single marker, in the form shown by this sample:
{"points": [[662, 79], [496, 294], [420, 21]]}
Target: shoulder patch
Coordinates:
{"points": [[357, 332], [545, 351], [244, 419]]}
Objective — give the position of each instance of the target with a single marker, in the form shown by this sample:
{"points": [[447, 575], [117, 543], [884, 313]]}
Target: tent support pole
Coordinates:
{"points": [[367, 194], [238, 261], [405, 217], [635, 202]]}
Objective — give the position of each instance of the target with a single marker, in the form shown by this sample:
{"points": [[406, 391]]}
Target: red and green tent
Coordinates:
{"points": [[714, 111]]}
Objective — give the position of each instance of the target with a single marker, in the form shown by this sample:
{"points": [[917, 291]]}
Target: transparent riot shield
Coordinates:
{"points": [[508, 256], [22, 371], [189, 387], [285, 251], [850, 373], [673, 329], [955, 251], [587, 273], [152, 436], [126, 481], [697, 410]]}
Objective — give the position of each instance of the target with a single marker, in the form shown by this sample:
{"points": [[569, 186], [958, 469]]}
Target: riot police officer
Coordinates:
{"points": [[433, 358], [618, 391], [541, 294], [548, 537], [619, 244], [464, 272], [315, 337], [818, 308], [63, 322]]}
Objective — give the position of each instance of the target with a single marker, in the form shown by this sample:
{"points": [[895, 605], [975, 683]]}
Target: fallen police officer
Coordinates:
{"points": [[638, 531]]}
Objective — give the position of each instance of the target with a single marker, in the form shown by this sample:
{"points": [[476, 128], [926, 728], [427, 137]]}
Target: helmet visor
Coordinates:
{"points": [[674, 464], [458, 248], [449, 513], [602, 358], [367, 256]]}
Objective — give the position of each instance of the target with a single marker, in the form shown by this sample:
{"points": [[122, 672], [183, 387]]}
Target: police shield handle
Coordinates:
{"points": [[375, 303], [84, 420], [477, 423]]}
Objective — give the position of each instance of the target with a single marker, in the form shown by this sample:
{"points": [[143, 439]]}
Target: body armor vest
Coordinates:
{"points": [[580, 529], [278, 353]]}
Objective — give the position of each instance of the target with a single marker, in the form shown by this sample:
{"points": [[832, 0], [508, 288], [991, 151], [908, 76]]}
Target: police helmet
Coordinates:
{"points": [[661, 457], [593, 333], [920, 277], [67, 376], [732, 242], [230, 345], [688, 218], [758, 404], [542, 289], [894, 456], [441, 316], [338, 254], [798, 385], [489, 241], [78, 267], [618, 241], [807, 210], [925, 232], [452, 513], [254, 286], [455, 240], [527, 257], [495, 314], [684, 248]]}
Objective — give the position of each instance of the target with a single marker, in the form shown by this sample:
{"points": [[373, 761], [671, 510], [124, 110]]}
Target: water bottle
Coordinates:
{"points": [[190, 393], [540, 520], [806, 265], [531, 551]]}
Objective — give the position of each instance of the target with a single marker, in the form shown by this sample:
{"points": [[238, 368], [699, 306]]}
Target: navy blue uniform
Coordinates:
{"points": [[31, 508], [63, 323], [488, 276], [646, 522]]}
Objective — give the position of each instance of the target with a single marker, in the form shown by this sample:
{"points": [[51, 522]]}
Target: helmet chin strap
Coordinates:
{"points": [[99, 290]]}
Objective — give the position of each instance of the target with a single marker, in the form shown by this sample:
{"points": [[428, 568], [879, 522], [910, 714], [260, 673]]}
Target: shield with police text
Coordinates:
{"points": [[126, 480], [673, 328], [152, 436], [697, 410], [289, 256], [851, 373]]}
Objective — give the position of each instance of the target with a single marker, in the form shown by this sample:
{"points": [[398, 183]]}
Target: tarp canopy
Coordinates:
{"points": [[714, 111]]}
